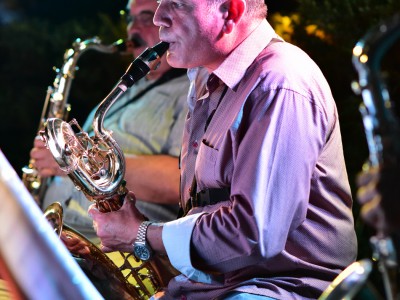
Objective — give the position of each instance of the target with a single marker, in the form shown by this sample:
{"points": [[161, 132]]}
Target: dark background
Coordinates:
{"points": [[34, 34]]}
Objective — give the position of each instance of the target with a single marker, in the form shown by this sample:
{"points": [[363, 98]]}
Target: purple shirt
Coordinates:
{"points": [[287, 229]]}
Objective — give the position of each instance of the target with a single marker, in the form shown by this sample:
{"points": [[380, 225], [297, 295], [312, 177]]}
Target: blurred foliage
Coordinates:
{"points": [[345, 21]]}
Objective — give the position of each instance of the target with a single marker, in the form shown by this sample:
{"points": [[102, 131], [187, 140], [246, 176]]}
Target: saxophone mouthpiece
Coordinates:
{"points": [[161, 48], [144, 63]]}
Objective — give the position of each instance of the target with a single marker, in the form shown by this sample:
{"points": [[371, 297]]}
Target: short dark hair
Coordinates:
{"points": [[257, 9]]}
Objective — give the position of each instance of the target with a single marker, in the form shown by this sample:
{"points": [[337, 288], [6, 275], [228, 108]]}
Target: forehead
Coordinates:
{"points": [[142, 4]]}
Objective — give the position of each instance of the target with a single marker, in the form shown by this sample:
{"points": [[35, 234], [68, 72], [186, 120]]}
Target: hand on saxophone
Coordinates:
{"points": [[369, 198], [75, 245], [117, 230], [43, 160], [379, 197]]}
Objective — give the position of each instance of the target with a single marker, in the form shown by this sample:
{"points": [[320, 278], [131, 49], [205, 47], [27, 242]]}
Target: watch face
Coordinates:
{"points": [[142, 252]]}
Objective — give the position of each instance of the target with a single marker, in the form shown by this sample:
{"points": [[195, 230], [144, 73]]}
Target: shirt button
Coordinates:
{"points": [[195, 144], [183, 297]]}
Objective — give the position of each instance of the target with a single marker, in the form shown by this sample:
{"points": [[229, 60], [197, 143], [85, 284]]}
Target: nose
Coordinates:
{"points": [[161, 18], [130, 28]]}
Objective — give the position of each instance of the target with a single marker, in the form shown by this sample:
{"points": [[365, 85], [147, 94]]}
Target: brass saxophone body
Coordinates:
{"points": [[56, 102], [382, 129], [96, 165]]}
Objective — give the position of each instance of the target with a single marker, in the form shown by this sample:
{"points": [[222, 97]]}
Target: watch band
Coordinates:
{"points": [[141, 249], [142, 230]]}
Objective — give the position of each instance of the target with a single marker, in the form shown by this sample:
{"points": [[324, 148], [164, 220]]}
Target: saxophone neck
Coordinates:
{"points": [[139, 68], [380, 122]]}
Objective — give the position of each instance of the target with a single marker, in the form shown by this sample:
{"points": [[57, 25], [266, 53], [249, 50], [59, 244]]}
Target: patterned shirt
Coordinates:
{"points": [[153, 124], [270, 131]]}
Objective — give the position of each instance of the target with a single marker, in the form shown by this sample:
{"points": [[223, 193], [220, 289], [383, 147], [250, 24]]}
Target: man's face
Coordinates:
{"points": [[141, 31], [193, 31]]}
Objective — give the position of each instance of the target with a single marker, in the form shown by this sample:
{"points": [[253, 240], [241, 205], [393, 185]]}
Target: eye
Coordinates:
{"points": [[144, 19], [129, 19], [177, 5]]}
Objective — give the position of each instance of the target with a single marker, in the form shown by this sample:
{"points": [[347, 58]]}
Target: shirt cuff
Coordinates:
{"points": [[176, 236]]}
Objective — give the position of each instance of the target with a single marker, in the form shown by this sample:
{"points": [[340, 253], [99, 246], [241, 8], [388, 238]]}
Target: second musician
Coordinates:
{"points": [[147, 122]]}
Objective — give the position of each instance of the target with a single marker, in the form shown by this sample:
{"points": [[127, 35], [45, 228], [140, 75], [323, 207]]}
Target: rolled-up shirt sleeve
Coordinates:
{"points": [[176, 236]]}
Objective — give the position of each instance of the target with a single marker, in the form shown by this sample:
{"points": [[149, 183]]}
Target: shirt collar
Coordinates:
{"points": [[233, 68], [198, 78], [235, 65]]}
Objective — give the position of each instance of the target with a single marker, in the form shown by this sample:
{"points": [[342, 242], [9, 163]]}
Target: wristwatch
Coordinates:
{"points": [[141, 249]]}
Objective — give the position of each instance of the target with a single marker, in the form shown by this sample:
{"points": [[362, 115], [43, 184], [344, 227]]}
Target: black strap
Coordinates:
{"points": [[167, 76], [204, 198]]}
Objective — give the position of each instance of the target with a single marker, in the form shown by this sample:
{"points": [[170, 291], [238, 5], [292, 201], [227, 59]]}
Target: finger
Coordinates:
{"points": [[42, 154], [34, 153], [113, 248], [47, 172], [366, 193], [372, 213], [369, 173], [38, 142], [93, 211], [106, 249]]}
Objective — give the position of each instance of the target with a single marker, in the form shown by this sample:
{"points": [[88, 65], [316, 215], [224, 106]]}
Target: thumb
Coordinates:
{"points": [[93, 211]]}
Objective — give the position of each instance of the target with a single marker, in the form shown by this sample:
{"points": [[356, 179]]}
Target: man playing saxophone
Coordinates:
{"points": [[147, 122], [264, 190]]}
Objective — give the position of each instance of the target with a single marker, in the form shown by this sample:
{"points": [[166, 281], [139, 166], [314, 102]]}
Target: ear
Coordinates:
{"points": [[233, 14]]}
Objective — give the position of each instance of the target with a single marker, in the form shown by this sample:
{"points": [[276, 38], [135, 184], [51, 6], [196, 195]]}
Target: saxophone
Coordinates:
{"points": [[383, 138], [381, 129], [96, 165], [56, 105]]}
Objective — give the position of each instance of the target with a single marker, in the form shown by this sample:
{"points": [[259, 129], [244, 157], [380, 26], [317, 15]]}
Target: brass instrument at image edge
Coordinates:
{"points": [[383, 138], [56, 105], [96, 165]]}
